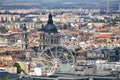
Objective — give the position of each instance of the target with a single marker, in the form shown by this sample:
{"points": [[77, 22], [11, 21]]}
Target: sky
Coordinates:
{"points": [[39, 2], [51, 1]]}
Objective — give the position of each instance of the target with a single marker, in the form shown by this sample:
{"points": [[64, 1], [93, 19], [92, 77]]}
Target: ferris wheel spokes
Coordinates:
{"points": [[56, 57]]}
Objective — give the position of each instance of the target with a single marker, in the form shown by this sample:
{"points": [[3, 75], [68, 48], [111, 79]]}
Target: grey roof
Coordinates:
{"points": [[50, 27]]}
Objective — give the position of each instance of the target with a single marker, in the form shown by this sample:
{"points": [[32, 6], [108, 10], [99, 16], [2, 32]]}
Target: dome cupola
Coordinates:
{"points": [[50, 27]]}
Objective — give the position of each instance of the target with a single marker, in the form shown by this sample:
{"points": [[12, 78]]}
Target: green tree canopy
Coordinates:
{"points": [[3, 30], [6, 78], [19, 70]]}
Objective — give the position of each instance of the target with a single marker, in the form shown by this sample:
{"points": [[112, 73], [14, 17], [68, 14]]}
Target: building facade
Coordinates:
{"points": [[49, 35]]}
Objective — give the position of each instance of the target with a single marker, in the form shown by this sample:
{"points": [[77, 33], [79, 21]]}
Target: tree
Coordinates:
{"points": [[19, 70], [3, 30], [6, 78]]}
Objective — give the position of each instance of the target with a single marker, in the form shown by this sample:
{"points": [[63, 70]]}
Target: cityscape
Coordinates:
{"points": [[60, 40]]}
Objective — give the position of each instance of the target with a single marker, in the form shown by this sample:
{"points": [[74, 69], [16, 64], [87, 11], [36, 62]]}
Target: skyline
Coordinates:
{"points": [[60, 39]]}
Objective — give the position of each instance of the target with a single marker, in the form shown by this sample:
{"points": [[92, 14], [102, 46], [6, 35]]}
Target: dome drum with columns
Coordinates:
{"points": [[49, 35]]}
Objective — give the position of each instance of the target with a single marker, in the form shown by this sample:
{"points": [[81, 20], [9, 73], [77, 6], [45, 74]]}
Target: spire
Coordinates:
{"points": [[50, 21]]}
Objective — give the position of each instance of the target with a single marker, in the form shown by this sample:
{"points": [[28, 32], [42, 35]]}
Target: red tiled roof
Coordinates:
{"points": [[71, 43], [14, 30], [81, 58], [104, 35], [118, 41], [102, 29], [117, 31], [1, 65], [82, 51]]}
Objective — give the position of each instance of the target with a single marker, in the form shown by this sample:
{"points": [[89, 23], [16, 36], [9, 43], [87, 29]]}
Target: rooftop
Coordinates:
{"points": [[50, 27]]}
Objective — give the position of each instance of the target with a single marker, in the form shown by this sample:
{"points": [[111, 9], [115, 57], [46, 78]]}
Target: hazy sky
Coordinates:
{"points": [[31, 2], [40, 1]]}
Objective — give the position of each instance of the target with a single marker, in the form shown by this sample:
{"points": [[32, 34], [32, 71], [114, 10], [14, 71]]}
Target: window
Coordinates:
{"points": [[52, 41]]}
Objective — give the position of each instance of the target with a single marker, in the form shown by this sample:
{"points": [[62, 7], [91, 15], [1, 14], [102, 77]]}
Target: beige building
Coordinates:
{"points": [[24, 66], [6, 61]]}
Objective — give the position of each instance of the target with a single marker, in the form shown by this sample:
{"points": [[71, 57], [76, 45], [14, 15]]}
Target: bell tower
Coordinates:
{"points": [[25, 39]]}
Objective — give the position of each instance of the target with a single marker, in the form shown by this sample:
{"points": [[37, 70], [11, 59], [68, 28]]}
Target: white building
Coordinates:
{"points": [[36, 71], [8, 69]]}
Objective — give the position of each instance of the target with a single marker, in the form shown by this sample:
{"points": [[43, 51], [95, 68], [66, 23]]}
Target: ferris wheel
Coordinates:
{"points": [[57, 59]]}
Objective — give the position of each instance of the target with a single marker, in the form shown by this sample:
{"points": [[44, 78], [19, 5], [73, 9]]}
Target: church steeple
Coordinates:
{"points": [[50, 20]]}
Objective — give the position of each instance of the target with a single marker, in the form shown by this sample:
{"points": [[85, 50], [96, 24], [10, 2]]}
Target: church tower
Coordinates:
{"points": [[49, 34], [25, 39]]}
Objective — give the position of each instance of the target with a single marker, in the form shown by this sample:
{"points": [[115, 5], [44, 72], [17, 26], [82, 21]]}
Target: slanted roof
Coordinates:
{"points": [[82, 51]]}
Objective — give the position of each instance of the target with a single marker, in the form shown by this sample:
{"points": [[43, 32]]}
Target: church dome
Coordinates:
{"points": [[50, 27]]}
